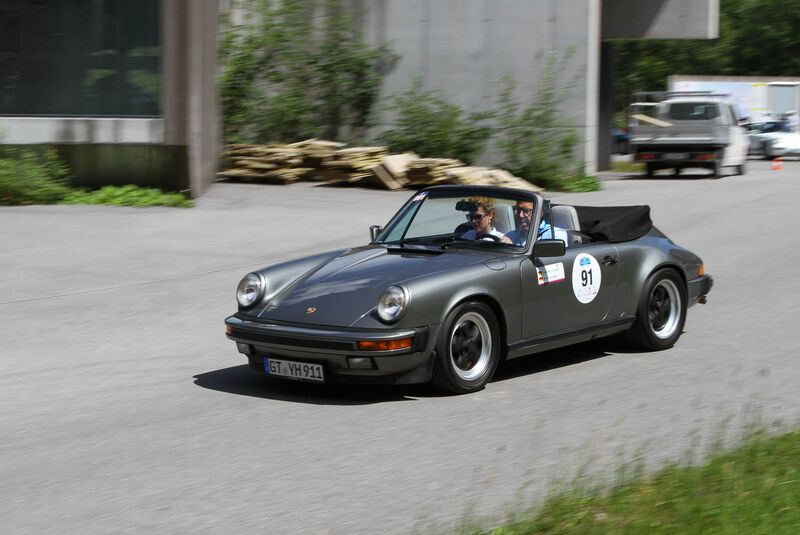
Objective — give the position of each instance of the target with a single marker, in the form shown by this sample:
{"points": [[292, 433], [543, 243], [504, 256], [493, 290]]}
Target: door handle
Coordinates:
{"points": [[610, 260]]}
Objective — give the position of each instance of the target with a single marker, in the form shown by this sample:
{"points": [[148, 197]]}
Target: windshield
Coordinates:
{"points": [[691, 111], [463, 217]]}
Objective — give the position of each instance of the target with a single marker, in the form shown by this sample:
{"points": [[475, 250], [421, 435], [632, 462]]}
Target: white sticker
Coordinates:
{"points": [[552, 273], [585, 278]]}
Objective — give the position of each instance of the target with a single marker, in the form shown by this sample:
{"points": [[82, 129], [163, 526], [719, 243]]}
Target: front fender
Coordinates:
{"points": [[434, 296]]}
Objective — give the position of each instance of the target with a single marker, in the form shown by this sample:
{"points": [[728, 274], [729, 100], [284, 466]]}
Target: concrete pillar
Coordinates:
{"points": [[191, 112], [606, 106], [591, 122]]}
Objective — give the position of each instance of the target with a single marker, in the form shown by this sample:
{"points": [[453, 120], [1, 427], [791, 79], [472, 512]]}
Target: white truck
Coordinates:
{"points": [[684, 130]]}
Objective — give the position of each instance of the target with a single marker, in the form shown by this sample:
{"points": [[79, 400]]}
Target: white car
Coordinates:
{"points": [[771, 140]]}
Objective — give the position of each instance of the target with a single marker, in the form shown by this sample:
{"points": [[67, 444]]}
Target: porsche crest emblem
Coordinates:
{"points": [[310, 310]]}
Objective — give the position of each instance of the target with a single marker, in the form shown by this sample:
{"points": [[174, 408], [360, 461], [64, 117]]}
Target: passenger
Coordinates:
{"points": [[523, 213], [482, 219]]}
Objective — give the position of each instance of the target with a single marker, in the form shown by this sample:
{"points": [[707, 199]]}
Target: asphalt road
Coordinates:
{"points": [[124, 409]]}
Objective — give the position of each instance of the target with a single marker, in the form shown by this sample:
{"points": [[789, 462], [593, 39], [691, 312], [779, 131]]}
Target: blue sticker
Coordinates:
{"points": [[585, 261]]}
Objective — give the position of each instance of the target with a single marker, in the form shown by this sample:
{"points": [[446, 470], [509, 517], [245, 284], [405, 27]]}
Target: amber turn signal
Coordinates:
{"points": [[700, 273], [385, 345], [228, 329]]}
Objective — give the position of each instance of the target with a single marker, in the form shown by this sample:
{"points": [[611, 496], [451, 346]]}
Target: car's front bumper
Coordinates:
{"points": [[335, 349], [699, 288]]}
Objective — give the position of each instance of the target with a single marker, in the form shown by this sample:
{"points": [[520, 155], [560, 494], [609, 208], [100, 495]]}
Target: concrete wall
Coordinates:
{"points": [[465, 47]]}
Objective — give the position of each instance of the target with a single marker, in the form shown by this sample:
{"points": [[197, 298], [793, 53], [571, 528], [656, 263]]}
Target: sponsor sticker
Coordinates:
{"points": [[551, 273], [586, 278], [419, 196]]}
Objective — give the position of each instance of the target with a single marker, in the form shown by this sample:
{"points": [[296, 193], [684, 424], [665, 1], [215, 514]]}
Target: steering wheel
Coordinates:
{"points": [[482, 236]]}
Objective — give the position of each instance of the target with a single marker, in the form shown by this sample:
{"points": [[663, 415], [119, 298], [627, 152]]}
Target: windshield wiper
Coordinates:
{"points": [[454, 240], [419, 240]]}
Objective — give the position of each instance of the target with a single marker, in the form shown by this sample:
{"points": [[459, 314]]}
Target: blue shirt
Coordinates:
{"points": [[520, 238]]}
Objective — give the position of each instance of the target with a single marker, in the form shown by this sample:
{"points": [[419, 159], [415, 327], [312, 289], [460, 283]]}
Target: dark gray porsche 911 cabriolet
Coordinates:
{"points": [[461, 278]]}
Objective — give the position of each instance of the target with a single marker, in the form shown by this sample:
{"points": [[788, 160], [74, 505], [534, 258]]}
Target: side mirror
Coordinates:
{"points": [[374, 232], [549, 248]]}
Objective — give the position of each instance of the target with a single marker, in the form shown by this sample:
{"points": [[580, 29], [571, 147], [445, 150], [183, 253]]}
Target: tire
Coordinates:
{"points": [[767, 150], [677, 171], [468, 349], [717, 169], [649, 169], [661, 312], [741, 169]]}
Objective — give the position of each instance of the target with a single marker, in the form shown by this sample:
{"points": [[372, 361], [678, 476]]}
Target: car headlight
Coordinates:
{"points": [[251, 289], [392, 303]]}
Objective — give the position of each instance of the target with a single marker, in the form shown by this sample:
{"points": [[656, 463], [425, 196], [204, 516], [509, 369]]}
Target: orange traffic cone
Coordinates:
{"points": [[777, 164]]}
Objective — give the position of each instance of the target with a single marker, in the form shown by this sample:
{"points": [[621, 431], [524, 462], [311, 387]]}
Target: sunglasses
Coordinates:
{"points": [[526, 211], [475, 217]]}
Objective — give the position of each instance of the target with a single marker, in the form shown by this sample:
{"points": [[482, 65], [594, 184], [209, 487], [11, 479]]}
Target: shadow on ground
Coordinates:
{"points": [[243, 381], [558, 358]]}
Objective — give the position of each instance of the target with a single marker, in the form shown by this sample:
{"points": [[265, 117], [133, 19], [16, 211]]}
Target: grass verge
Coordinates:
{"points": [[627, 167], [752, 489]]}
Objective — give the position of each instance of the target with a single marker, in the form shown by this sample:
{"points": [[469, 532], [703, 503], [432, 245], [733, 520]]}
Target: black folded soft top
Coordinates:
{"points": [[614, 223]]}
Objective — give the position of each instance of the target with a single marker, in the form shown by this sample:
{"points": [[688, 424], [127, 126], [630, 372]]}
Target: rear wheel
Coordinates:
{"points": [[468, 349], [661, 312]]}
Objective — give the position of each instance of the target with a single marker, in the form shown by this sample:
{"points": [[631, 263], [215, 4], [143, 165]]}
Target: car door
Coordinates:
{"points": [[568, 292]]}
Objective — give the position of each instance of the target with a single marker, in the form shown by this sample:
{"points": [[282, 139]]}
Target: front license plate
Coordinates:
{"points": [[676, 156], [294, 370]]}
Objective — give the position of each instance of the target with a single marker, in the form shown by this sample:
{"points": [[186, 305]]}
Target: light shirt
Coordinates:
{"points": [[470, 234], [520, 238]]}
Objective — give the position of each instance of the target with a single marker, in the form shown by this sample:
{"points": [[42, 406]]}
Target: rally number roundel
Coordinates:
{"points": [[585, 278]]}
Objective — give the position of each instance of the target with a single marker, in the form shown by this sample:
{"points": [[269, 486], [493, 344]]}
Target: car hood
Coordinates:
{"points": [[341, 290]]}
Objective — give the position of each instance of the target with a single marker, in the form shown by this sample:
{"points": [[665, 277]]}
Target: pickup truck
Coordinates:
{"points": [[689, 131]]}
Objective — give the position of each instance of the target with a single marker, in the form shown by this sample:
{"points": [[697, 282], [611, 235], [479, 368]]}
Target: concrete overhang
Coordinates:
{"points": [[660, 19], [89, 130]]}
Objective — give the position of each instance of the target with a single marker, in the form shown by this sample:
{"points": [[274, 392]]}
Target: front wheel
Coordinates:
{"points": [[661, 312], [468, 349], [717, 168]]}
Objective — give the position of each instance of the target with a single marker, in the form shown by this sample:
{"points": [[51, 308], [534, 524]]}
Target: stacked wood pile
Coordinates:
{"points": [[332, 163]]}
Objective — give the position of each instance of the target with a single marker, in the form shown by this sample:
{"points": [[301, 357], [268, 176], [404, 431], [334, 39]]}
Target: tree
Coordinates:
{"points": [[757, 38]]}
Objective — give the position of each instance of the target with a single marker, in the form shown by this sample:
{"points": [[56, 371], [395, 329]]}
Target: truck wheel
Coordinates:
{"points": [[717, 170], [468, 349]]}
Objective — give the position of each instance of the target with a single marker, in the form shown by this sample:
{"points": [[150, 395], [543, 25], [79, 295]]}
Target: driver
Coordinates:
{"points": [[523, 212], [481, 219]]}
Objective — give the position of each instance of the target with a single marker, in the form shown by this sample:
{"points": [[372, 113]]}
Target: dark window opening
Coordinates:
{"points": [[80, 57]]}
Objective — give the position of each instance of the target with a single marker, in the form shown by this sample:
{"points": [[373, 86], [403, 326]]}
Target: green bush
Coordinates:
{"points": [[535, 140], [433, 127], [28, 178], [296, 70]]}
